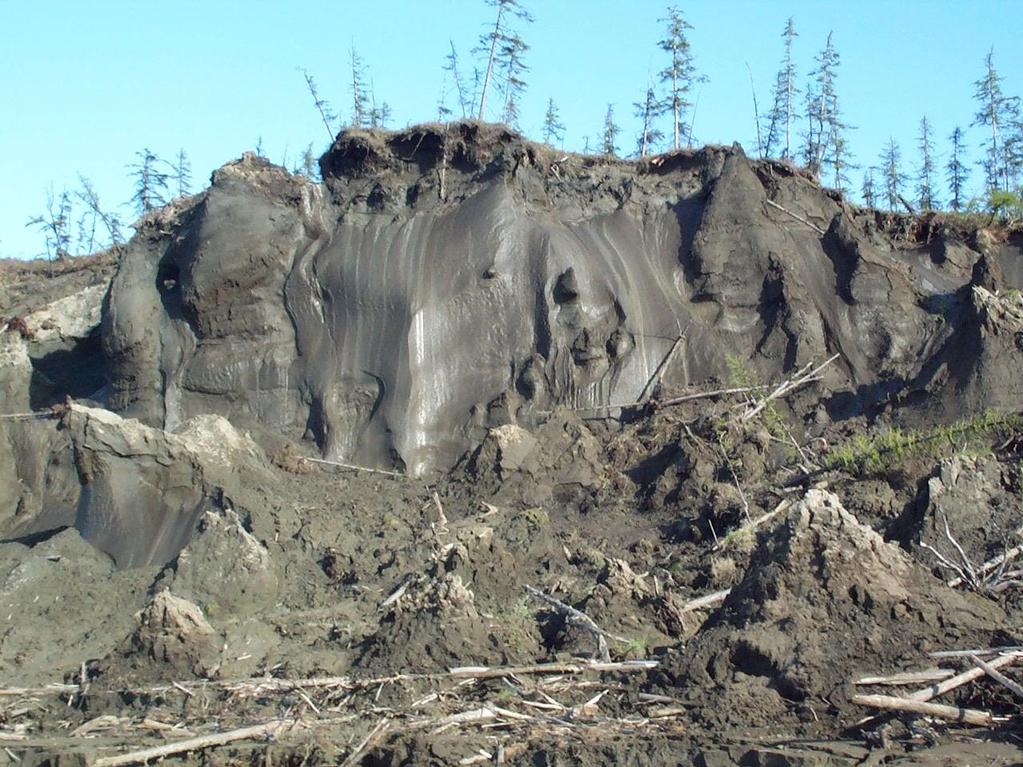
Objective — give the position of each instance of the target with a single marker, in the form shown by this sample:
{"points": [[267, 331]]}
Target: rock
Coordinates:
{"points": [[173, 631]]}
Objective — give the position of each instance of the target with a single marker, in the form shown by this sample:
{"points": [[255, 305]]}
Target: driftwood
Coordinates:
{"points": [[708, 600], [998, 676], [377, 730], [907, 678], [959, 680], [950, 713], [985, 651], [255, 732], [991, 564]]}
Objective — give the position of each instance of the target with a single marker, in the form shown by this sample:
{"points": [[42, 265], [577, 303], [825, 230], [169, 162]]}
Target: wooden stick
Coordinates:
{"points": [[655, 379], [950, 713], [998, 676], [708, 600], [255, 732], [908, 677], [579, 618], [790, 385], [353, 467], [483, 672], [985, 651], [991, 564], [959, 680], [51, 689], [364, 744], [796, 216]]}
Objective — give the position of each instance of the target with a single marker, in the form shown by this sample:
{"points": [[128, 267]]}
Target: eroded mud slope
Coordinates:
{"points": [[446, 280]]}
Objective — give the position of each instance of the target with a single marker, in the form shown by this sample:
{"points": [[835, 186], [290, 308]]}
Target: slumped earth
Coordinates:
{"points": [[275, 477]]}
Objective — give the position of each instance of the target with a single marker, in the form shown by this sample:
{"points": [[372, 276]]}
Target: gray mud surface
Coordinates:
{"points": [[291, 457]]}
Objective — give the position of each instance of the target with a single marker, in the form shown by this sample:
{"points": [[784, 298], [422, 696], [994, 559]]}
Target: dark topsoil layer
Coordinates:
{"points": [[168, 544]]}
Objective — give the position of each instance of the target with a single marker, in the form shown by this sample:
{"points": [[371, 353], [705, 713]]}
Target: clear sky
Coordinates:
{"points": [[85, 85]]}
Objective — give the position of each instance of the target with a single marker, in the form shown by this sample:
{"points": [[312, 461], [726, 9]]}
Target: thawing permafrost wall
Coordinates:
{"points": [[392, 315], [413, 323]]}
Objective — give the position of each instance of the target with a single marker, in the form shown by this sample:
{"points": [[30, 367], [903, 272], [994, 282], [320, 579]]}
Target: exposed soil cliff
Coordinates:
{"points": [[298, 450]]}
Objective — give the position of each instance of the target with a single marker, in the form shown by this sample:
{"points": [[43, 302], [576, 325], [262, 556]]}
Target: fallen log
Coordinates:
{"points": [[937, 710]]}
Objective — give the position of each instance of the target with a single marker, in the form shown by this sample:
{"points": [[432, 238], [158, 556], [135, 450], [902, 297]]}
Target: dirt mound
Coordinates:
{"points": [[824, 598], [173, 633], [431, 623]]}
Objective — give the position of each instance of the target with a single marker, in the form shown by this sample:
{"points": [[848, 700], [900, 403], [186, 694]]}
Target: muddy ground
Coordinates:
{"points": [[266, 596]]}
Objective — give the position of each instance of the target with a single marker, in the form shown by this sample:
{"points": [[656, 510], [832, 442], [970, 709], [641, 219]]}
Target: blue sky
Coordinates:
{"points": [[87, 84]]}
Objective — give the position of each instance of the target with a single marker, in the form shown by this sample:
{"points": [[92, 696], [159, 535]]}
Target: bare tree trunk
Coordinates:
{"points": [[490, 59]]}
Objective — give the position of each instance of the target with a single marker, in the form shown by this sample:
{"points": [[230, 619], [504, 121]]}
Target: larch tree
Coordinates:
{"points": [[995, 111], [322, 105], [553, 128], [55, 224], [925, 172], [610, 134], [150, 181], [679, 76], [504, 48], [781, 118], [181, 174], [512, 77], [87, 194], [867, 191], [361, 97], [956, 171], [308, 168], [840, 163], [452, 72], [823, 116], [647, 111], [894, 178]]}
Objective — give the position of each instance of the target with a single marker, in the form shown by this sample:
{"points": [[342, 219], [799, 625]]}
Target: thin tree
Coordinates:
{"points": [[867, 190], [496, 42], [840, 163], [991, 113], [181, 174], [823, 116], [87, 194], [308, 167], [925, 172], [55, 223], [956, 171], [553, 128], [322, 105], [512, 75], [150, 181], [379, 116], [361, 98], [647, 111], [894, 178], [780, 118], [452, 71], [679, 76], [611, 131]]}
